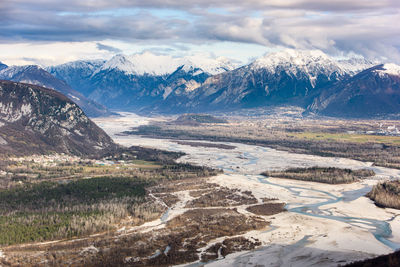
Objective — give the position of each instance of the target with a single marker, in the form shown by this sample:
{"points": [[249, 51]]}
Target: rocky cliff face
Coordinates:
{"points": [[34, 119]]}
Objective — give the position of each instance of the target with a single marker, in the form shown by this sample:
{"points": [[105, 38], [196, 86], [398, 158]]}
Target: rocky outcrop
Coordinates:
{"points": [[35, 119]]}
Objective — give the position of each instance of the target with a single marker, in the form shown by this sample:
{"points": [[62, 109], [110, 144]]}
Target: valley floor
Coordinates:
{"points": [[235, 218], [325, 224]]}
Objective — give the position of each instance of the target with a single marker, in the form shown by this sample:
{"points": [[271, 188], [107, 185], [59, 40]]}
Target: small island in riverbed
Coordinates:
{"points": [[386, 194], [329, 175], [198, 119], [203, 144]]}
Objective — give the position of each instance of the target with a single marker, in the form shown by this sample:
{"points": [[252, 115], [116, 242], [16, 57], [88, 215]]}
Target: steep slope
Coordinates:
{"points": [[35, 75], [353, 66], [284, 77], [2, 66], [35, 119], [77, 73], [374, 92], [118, 90]]}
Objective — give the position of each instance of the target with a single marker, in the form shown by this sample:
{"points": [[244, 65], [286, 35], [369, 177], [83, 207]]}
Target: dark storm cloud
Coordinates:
{"points": [[108, 48], [364, 26]]}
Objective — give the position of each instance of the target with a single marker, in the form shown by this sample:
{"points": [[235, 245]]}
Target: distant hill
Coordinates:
{"points": [[374, 92], [36, 75], [35, 119]]}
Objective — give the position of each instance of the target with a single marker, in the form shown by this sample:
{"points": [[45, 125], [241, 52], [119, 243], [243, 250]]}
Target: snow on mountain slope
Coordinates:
{"points": [[11, 72], [209, 65], [355, 65], [389, 68], [2, 66], [292, 61], [158, 65], [85, 67]]}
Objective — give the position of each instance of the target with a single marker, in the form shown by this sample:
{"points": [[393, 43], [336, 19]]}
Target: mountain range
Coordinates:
{"points": [[310, 79], [154, 83], [138, 81]]}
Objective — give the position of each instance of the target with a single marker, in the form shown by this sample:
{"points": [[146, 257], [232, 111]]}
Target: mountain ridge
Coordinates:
{"points": [[374, 92], [35, 119], [36, 75]]}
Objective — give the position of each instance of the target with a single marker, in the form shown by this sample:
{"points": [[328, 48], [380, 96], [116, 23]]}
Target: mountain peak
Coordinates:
{"points": [[389, 68], [296, 57], [158, 65], [2, 66], [207, 64], [81, 64], [140, 64], [292, 61], [356, 64]]}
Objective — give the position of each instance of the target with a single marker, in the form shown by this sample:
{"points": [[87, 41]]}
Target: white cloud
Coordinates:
{"points": [[44, 29]]}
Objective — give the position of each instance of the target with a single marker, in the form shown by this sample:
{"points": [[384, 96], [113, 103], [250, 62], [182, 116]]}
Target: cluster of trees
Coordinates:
{"points": [[161, 166], [330, 175], [386, 194], [49, 210]]}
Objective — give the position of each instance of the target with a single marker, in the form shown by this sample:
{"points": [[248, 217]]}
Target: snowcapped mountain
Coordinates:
{"points": [[147, 63], [77, 73], [2, 66], [313, 62], [289, 76], [84, 68], [34, 74], [390, 69], [353, 66], [162, 83], [132, 82], [206, 64], [374, 92], [141, 64]]}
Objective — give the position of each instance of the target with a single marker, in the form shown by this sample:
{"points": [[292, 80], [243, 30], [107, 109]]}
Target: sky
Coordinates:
{"points": [[50, 32]]}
